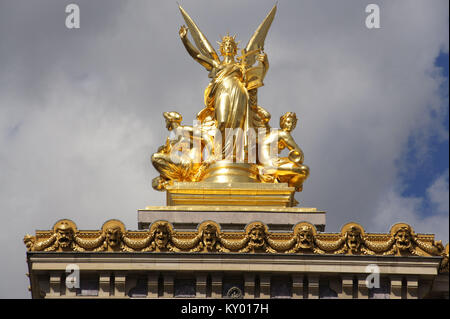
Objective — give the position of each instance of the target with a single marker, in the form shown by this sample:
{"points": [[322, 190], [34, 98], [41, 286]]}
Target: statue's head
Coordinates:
{"points": [[288, 121], [173, 119], [228, 46]]}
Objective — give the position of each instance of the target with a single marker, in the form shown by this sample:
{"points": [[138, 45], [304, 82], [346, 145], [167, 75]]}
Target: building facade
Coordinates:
{"points": [[181, 259]]}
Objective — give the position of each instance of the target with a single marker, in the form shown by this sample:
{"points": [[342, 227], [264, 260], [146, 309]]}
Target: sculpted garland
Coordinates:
{"points": [[256, 238]]}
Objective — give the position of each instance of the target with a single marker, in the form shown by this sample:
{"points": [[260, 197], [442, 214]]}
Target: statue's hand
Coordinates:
{"points": [[183, 32], [262, 57]]}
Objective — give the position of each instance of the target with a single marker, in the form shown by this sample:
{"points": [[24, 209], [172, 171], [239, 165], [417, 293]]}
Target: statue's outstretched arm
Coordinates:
{"points": [[194, 52], [201, 42]]}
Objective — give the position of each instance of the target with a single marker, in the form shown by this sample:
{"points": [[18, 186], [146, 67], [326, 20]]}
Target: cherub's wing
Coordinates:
{"points": [[200, 40], [256, 43]]}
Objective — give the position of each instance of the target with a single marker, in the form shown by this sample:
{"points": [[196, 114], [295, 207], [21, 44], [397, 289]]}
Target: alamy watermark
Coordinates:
{"points": [[205, 144], [73, 17], [373, 280], [72, 276], [373, 19]]}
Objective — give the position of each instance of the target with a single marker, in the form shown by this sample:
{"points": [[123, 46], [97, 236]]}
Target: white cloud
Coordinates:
{"points": [[394, 208], [438, 194], [426, 214]]}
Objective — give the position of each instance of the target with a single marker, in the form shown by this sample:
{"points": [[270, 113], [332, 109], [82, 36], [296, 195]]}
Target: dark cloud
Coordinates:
{"points": [[80, 110]]}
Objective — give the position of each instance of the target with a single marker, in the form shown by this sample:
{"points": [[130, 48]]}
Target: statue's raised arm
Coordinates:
{"points": [[202, 52]]}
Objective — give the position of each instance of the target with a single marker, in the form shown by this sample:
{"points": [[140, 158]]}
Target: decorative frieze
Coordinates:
{"points": [[255, 238]]}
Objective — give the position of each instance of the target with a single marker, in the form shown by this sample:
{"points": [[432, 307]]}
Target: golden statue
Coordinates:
{"points": [[231, 104], [177, 159], [228, 92], [283, 169]]}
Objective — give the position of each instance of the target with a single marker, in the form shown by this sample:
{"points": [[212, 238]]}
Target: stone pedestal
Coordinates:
{"points": [[232, 205], [231, 218]]}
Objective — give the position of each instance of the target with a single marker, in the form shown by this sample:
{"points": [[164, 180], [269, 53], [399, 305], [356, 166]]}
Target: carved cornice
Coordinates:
{"points": [[255, 238]]}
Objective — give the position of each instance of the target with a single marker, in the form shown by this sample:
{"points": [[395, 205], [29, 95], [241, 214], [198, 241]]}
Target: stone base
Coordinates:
{"points": [[231, 218]]}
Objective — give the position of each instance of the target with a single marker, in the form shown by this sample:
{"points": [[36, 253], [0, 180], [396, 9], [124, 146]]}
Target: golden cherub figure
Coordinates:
{"points": [[180, 158], [288, 169]]}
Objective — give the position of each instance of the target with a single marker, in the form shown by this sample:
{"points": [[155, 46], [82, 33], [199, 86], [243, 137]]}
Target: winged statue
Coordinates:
{"points": [[231, 94], [230, 103]]}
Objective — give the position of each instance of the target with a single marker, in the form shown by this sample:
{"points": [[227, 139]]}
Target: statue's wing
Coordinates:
{"points": [[257, 40], [200, 40]]}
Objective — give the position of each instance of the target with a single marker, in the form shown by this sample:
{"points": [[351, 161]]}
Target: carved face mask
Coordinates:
{"points": [[209, 238], [64, 237], [353, 239], [113, 236], [305, 238], [403, 239], [161, 237], [257, 237]]}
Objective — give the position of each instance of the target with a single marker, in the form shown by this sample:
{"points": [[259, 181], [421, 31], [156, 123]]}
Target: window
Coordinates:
{"points": [[325, 292], [88, 285], [140, 288], [184, 287], [383, 291], [281, 287]]}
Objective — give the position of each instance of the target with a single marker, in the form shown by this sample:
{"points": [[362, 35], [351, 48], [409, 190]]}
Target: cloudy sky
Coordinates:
{"points": [[81, 109]]}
